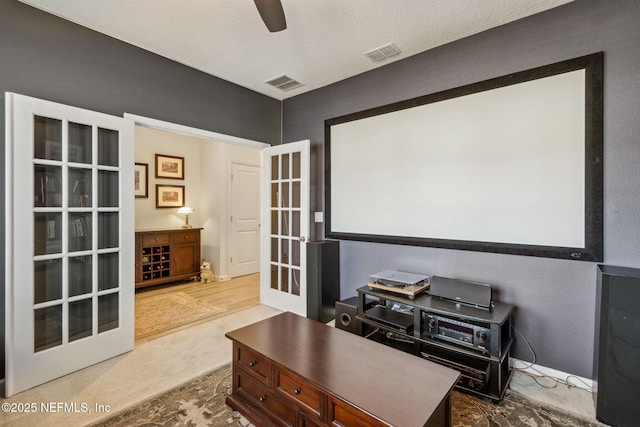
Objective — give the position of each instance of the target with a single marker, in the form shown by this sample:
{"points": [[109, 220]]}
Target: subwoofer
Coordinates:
{"points": [[346, 312]]}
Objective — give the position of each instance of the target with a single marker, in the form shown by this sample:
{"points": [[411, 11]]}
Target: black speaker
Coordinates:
{"points": [[478, 294], [346, 311], [616, 362], [323, 279]]}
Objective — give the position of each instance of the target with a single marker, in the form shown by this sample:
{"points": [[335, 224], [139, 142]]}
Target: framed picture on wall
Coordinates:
{"points": [[141, 179], [169, 196], [171, 167]]}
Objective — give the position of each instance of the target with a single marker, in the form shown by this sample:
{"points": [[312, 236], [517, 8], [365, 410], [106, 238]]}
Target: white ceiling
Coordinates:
{"points": [[324, 41]]}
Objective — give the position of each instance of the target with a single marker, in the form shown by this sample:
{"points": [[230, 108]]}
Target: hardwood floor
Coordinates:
{"points": [[230, 295]]}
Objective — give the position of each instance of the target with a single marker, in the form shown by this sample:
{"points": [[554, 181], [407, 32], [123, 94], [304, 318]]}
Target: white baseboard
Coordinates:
{"points": [[222, 278], [574, 380]]}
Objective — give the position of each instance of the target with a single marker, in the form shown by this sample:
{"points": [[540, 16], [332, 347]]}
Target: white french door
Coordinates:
{"points": [[69, 239], [285, 226]]}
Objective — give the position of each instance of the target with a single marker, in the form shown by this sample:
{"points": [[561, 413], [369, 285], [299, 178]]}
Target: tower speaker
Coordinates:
{"points": [[616, 362], [323, 279]]}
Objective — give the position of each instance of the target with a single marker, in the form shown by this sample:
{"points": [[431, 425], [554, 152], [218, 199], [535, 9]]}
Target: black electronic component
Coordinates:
{"points": [[477, 337]]}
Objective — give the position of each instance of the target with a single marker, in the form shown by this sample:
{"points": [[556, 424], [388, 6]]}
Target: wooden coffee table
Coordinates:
{"points": [[290, 370]]}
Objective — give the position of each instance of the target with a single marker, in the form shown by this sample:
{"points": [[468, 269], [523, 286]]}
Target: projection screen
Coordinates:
{"points": [[509, 165]]}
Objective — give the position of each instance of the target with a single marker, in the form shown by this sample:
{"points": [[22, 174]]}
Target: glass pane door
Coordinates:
{"points": [[286, 192], [70, 233]]}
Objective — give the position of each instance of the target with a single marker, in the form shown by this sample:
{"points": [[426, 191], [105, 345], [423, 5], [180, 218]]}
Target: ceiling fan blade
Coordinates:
{"points": [[272, 14]]}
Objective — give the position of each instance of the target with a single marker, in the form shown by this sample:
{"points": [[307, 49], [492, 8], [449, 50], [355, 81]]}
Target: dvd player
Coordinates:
{"points": [[391, 319]]}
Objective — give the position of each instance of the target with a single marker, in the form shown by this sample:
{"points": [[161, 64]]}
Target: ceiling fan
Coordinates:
{"points": [[272, 14]]}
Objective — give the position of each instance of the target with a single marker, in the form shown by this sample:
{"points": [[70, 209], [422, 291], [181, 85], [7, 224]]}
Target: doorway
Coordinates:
{"points": [[210, 162]]}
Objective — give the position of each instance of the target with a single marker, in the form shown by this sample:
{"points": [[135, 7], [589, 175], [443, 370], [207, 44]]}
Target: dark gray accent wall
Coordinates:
{"points": [[555, 299], [51, 58], [47, 57]]}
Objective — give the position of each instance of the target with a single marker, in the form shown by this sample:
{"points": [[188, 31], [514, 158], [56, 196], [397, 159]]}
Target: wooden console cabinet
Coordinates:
{"points": [[289, 370], [166, 255]]}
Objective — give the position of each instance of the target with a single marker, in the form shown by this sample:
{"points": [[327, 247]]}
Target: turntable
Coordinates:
{"points": [[408, 284]]}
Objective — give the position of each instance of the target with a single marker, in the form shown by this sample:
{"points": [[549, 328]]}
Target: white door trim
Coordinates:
{"points": [[8, 238], [195, 132]]}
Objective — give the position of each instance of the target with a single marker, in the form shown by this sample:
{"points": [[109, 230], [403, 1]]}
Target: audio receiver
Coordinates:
{"points": [[456, 331]]}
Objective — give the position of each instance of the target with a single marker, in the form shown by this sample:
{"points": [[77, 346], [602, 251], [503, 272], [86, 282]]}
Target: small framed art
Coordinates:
{"points": [[171, 167], [169, 196], [141, 171]]}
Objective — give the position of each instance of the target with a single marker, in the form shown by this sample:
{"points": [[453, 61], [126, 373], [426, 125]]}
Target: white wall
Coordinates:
{"points": [[150, 142], [207, 168]]}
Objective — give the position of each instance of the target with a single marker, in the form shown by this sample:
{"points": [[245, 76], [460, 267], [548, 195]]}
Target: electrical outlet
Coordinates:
{"points": [[318, 217]]}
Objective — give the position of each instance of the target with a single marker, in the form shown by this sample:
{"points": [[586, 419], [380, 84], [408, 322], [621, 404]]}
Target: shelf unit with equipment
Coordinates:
{"points": [[475, 341], [167, 255]]}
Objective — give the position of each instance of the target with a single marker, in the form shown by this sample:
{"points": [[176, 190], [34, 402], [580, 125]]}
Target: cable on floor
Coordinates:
{"points": [[538, 376]]}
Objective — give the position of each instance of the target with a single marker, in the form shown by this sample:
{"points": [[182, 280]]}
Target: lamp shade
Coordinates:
{"points": [[186, 210]]}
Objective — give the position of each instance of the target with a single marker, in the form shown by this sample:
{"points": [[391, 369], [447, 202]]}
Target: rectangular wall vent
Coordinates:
{"points": [[383, 52], [284, 83]]}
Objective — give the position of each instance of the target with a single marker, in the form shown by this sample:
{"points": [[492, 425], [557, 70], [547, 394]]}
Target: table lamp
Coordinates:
{"points": [[186, 211]]}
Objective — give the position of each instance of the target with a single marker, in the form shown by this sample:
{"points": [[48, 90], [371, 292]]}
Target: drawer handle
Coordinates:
{"points": [[186, 237], [253, 363], [262, 398], [296, 391]]}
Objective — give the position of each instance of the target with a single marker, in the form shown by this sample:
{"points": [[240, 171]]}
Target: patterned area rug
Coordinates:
{"points": [[514, 410], [201, 402], [162, 312]]}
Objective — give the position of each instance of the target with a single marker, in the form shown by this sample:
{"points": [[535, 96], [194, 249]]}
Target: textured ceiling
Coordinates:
{"points": [[324, 42]]}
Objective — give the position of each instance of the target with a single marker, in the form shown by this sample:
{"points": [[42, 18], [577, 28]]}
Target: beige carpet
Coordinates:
{"points": [[159, 313]]}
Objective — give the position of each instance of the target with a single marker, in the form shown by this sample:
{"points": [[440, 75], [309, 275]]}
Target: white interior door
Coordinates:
{"points": [[69, 239], [285, 226], [245, 220]]}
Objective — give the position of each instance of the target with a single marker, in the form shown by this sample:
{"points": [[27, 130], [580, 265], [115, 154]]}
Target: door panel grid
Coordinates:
{"points": [[286, 193], [285, 264], [67, 243]]}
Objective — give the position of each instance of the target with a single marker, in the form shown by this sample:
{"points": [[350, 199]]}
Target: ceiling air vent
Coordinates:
{"points": [[383, 52], [284, 83]]}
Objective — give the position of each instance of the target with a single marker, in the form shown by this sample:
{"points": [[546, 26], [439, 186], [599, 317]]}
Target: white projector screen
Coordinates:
{"points": [[498, 166]]}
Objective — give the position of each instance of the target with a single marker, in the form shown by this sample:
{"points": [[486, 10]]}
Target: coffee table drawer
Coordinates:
{"points": [[300, 391], [259, 366], [261, 397], [343, 414]]}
